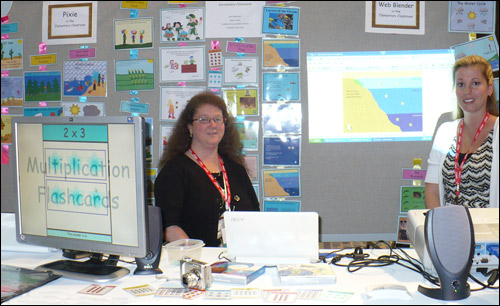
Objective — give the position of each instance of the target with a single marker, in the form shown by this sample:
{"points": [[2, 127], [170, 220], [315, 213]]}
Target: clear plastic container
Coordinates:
{"points": [[181, 248]]}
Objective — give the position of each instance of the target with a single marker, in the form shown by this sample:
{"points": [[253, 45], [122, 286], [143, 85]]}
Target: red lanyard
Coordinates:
{"points": [[458, 169], [225, 196]]}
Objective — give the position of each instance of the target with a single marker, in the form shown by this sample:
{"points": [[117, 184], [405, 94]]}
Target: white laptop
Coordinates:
{"points": [[272, 238]]}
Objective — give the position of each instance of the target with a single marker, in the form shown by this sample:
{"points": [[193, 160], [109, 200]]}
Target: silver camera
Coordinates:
{"points": [[195, 274]]}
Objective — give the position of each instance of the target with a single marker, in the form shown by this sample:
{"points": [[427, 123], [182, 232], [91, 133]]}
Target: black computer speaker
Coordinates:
{"points": [[449, 237], [150, 264]]}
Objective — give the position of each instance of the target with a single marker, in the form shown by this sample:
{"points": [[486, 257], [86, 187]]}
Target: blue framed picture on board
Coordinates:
{"points": [[281, 87], [280, 20], [280, 53], [277, 205], [282, 150], [281, 118], [281, 182], [486, 47]]}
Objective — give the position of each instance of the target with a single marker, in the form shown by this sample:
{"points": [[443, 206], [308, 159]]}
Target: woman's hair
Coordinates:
{"points": [[180, 140], [476, 60]]}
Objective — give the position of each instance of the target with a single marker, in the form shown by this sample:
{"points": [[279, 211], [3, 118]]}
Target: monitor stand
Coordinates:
{"points": [[94, 270]]}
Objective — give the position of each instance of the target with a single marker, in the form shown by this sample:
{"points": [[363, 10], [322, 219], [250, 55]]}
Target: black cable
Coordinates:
{"points": [[493, 277], [357, 255], [324, 257], [360, 260], [491, 281], [355, 265]]}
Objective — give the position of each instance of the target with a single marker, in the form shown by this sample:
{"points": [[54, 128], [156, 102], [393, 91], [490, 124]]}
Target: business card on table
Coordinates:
{"points": [[218, 294], [245, 293], [280, 297], [95, 289], [142, 290], [170, 292], [309, 294], [335, 296], [192, 293]]}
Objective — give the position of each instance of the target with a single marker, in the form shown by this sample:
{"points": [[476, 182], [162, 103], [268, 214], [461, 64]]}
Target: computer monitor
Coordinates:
{"points": [[80, 184]]}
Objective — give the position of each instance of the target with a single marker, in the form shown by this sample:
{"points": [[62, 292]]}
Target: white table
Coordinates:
{"points": [[65, 291]]}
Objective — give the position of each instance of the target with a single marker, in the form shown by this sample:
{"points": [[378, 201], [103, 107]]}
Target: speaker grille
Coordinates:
{"points": [[452, 237]]}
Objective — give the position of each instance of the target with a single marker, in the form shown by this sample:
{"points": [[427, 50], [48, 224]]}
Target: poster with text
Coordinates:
{"points": [[412, 197], [185, 64], [281, 20], [396, 17], [165, 133], [281, 87], [281, 118], [229, 19], [133, 33], [472, 16], [249, 134], [281, 53], [281, 150], [240, 71], [83, 109], [242, 101], [281, 182], [12, 91], [134, 74], [69, 22], [85, 78], [278, 205], [182, 24], [173, 100], [42, 86], [486, 47], [252, 163], [12, 54]]}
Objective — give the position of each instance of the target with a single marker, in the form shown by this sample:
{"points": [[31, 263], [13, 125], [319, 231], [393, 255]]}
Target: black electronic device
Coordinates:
{"points": [[80, 184], [449, 237], [149, 264]]}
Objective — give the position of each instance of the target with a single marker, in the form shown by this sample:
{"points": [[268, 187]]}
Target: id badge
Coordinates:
{"points": [[221, 231]]}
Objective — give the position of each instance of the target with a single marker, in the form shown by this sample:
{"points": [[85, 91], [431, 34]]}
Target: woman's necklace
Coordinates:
{"points": [[459, 167], [226, 193]]}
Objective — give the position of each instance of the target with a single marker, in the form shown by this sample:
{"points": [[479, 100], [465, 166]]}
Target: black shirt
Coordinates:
{"points": [[189, 199]]}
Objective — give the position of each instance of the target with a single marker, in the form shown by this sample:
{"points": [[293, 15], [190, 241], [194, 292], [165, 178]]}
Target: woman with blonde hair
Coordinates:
{"points": [[463, 162]]}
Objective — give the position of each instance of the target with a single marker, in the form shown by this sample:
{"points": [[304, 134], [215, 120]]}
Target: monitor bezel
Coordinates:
{"points": [[138, 251]]}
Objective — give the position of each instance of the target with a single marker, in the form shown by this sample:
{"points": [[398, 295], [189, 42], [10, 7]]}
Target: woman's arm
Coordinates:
{"points": [[431, 195], [174, 232]]}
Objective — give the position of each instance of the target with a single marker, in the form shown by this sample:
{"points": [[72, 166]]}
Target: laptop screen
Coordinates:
{"points": [[272, 237]]}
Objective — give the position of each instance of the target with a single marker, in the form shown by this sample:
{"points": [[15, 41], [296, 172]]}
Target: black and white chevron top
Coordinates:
{"points": [[476, 174]]}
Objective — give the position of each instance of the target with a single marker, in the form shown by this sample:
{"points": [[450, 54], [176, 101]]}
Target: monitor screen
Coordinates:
{"points": [[378, 96], [80, 183]]}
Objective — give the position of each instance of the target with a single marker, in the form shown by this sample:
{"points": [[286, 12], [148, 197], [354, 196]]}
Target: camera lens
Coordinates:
{"points": [[191, 279]]}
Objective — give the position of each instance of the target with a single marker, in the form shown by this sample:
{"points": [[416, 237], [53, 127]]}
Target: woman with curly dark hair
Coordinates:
{"points": [[202, 173]]}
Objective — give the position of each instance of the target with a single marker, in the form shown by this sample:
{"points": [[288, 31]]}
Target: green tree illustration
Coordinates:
{"points": [[49, 87], [29, 87], [56, 86], [36, 88]]}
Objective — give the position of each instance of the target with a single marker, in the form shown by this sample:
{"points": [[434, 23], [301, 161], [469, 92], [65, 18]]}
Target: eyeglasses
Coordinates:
{"points": [[206, 120]]}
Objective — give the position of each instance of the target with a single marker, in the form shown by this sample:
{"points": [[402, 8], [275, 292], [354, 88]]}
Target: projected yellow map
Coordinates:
{"points": [[382, 102]]}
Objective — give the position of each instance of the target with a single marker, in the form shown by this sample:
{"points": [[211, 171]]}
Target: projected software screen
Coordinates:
{"points": [[378, 96]]}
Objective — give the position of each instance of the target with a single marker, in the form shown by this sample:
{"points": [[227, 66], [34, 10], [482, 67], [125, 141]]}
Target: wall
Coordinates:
{"points": [[353, 186]]}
